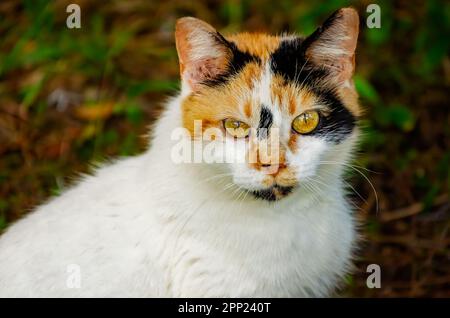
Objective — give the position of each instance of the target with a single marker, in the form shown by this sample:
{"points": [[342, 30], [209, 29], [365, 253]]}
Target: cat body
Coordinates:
{"points": [[149, 226]]}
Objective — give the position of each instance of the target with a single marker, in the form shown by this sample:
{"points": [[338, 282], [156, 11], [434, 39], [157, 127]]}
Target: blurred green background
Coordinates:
{"points": [[70, 97]]}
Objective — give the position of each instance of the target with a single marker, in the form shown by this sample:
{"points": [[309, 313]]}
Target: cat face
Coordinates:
{"points": [[287, 103]]}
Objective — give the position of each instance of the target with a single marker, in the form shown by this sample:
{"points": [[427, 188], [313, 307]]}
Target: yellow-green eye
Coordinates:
{"points": [[236, 128], [306, 122]]}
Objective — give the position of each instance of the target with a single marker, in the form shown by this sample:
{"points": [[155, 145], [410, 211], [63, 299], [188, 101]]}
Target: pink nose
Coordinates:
{"points": [[271, 164]]}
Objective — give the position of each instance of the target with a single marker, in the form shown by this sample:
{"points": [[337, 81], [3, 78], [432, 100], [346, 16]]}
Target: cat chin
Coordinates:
{"points": [[273, 193]]}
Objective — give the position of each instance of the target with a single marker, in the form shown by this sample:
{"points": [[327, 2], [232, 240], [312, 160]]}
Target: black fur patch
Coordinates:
{"points": [[238, 61], [339, 122], [289, 61], [269, 194], [266, 194], [265, 122]]}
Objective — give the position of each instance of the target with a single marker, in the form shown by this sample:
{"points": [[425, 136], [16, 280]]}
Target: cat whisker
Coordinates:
{"points": [[353, 165], [328, 186], [304, 80], [221, 175], [313, 189], [318, 185], [301, 70], [362, 174]]}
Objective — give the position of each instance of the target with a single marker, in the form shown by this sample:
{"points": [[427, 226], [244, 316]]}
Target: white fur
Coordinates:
{"points": [[147, 227]]}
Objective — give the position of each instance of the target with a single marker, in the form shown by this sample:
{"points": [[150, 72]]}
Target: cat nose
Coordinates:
{"points": [[272, 165], [272, 169]]}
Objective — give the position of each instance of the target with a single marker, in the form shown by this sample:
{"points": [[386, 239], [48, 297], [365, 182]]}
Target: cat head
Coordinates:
{"points": [[292, 95]]}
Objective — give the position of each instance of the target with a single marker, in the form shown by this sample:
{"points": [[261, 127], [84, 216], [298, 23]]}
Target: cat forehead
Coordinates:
{"points": [[264, 62], [264, 79], [279, 76], [258, 44]]}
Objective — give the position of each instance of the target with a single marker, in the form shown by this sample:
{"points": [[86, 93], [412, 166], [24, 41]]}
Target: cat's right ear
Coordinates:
{"points": [[203, 53]]}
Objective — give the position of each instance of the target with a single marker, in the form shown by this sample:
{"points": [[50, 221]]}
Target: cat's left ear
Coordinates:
{"points": [[333, 45]]}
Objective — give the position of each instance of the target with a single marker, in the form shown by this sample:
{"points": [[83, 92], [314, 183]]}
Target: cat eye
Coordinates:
{"points": [[306, 122], [236, 128]]}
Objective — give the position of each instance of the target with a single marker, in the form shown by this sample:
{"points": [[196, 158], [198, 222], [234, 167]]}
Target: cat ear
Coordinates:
{"points": [[333, 44], [202, 51]]}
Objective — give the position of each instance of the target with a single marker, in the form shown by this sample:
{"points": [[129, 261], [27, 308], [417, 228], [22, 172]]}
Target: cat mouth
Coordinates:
{"points": [[273, 193]]}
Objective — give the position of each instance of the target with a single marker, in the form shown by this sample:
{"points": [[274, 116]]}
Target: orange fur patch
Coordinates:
{"points": [[248, 108], [290, 98], [292, 143], [258, 44], [214, 104], [286, 177]]}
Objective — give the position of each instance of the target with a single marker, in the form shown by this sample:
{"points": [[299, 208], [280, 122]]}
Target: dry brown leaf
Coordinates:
{"points": [[94, 111]]}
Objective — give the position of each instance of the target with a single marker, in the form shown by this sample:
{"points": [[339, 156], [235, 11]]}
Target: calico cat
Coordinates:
{"points": [[151, 226]]}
